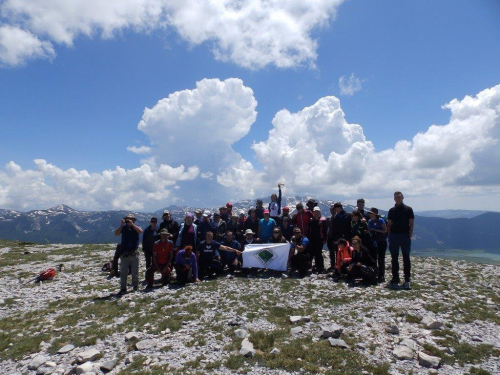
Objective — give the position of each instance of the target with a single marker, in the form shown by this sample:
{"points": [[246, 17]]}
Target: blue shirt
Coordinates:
{"points": [[377, 224], [266, 229], [181, 261]]}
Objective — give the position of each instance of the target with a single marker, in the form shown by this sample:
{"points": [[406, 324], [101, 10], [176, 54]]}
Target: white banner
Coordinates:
{"points": [[273, 256]]}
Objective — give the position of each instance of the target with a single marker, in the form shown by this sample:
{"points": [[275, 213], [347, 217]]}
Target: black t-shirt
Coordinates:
{"points": [[208, 251], [400, 217]]}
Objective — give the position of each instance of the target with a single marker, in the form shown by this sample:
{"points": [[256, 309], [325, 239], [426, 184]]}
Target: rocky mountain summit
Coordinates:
{"points": [[449, 323]]}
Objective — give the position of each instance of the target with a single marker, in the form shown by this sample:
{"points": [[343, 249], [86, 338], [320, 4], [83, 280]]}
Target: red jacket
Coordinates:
{"points": [[301, 221]]}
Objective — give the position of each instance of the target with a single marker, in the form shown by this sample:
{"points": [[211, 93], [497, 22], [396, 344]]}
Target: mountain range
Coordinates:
{"points": [[62, 224]]}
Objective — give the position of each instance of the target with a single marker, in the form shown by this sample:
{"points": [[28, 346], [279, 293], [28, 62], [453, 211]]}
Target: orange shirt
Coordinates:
{"points": [[162, 250]]}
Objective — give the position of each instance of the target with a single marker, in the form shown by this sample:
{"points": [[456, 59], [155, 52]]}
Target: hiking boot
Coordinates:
{"points": [[149, 288], [381, 279], [406, 285], [122, 292], [136, 288]]}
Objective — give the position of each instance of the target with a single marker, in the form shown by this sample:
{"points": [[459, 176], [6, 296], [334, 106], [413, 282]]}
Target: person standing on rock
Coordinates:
{"points": [[400, 221], [378, 233], [149, 237], [129, 255], [317, 238], [162, 260]]}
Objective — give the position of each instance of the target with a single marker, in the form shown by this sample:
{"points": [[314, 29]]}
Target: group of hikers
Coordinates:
{"points": [[206, 244]]}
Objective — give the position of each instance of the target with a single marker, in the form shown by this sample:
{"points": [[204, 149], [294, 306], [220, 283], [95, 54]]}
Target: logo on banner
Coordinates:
{"points": [[266, 256]]}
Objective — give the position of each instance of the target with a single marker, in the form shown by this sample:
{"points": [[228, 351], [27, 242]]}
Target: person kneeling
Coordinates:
{"points": [[209, 259], [186, 267], [300, 261], [362, 264], [344, 258], [163, 253]]}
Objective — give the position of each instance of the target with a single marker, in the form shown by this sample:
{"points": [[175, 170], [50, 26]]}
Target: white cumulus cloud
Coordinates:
{"points": [[350, 86], [18, 46], [249, 33], [47, 185], [316, 151], [141, 150]]}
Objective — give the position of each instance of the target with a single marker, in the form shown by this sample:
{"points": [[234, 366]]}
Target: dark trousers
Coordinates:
{"points": [[397, 241], [381, 247], [148, 255], [332, 250], [150, 274], [209, 268], [317, 254], [368, 274], [301, 262], [116, 257], [184, 276]]}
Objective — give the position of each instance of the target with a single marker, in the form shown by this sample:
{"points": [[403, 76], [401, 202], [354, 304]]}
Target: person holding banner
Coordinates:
{"points": [[209, 259], [300, 259]]}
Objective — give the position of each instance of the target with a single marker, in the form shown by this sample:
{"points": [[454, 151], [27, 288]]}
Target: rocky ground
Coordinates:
{"points": [[449, 323]]}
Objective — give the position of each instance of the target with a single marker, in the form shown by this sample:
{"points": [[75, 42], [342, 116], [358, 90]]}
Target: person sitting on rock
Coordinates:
{"points": [[163, 254], [230, 258], [186, 266], [209, 259], [362, 264], [300, 259], [344, 257]]}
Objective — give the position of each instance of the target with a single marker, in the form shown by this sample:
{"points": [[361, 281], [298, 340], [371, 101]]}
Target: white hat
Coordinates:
{"points": [[249, 231], [207, 213], [316, 208]]}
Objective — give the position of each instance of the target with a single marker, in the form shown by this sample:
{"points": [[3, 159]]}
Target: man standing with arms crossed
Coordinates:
{"points": [[400, 230]]}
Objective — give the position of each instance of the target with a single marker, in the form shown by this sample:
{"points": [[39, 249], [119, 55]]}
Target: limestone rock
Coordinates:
{"points": [[37, 362], [275, 351], [86, 367], [88, 355], [132, 336], [332, 330], [409, 343], [108, 365], [431, 323], [428, 360], [402, 352], [295, 319], [247, 349], [145, 344], [241, 333], [66, 349], [338, 343], [392, 328], [296, 330]]}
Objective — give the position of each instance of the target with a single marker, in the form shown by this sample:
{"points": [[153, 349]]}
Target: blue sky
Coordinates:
{"points": [[78, 106]]}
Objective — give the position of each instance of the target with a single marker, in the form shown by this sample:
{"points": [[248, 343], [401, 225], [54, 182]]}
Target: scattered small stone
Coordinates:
{"points": [[403, 352], [428, 360], [409, 343], [296, 330], [275, 351], [145, 344], [477, 339], [132, 336], [295, 319], [338, 343], [392, 328], [247, 349], [108, 365], [241, 333], [430, 323], [84, 368], [37, 362], [88, 355], [332, 330], [66, 349]]}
